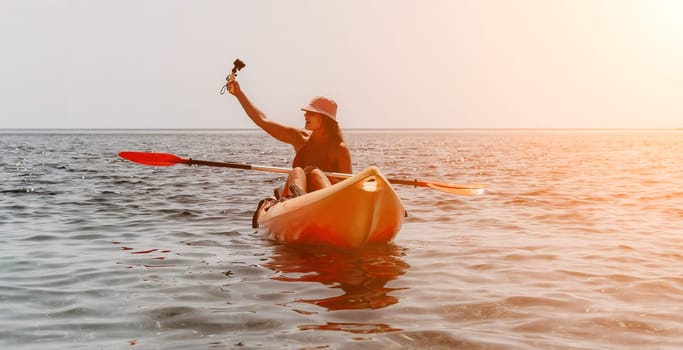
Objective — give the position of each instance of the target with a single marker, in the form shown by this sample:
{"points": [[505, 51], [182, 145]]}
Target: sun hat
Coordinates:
{"points": [[322, 105]]}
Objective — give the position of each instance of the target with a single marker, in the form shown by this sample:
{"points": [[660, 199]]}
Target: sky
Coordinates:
{"points": [[387, 63]]}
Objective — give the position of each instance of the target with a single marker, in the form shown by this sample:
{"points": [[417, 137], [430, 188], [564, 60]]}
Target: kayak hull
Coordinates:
{"points": [[361, 210]]}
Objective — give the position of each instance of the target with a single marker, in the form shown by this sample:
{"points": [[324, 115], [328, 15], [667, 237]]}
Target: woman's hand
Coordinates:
{"points": [[234, 87]]}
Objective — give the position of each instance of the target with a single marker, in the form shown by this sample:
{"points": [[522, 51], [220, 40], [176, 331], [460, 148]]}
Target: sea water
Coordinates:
{"points": [[577, 244]]}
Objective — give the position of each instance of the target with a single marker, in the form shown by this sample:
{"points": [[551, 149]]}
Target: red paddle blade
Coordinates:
{"points": [[153, 159]]}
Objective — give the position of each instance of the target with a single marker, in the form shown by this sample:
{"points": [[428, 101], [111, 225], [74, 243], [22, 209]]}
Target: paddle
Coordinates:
{"points": [[165, 159]]}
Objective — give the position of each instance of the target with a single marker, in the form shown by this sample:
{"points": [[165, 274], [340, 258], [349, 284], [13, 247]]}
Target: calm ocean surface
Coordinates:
{"points": [[577, 244]]}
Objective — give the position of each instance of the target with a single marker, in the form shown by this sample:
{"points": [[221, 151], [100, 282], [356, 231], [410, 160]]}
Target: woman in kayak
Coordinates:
{"points": [[319, 147]]}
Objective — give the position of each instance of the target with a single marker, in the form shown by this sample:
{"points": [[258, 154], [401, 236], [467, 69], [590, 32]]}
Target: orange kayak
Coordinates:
{"points": [[361, 210]]}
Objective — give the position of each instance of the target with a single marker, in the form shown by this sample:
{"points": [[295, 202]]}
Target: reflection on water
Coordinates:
{"points": [[361, 275], [356, 328]]}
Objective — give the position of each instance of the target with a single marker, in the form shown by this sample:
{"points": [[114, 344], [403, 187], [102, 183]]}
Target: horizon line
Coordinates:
{"points": [[359, 129]]}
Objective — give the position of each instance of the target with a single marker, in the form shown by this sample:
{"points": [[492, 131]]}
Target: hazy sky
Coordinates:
{"points": [[388, 63]]}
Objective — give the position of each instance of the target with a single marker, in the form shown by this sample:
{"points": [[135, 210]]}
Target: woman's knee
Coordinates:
{"points": [[297, 177], [297, 171], [317, 180]]}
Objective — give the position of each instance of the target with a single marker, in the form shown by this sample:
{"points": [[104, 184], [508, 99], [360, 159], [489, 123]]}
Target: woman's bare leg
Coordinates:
{"points": [[296, 177], [317, 180]]}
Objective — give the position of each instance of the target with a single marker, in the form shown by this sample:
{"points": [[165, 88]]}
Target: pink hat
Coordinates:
{"points": [[322, 105]]}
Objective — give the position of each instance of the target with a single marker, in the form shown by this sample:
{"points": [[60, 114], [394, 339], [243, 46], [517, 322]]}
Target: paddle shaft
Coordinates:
{"points": [[416, 182], [165, 159], [271, 169]]}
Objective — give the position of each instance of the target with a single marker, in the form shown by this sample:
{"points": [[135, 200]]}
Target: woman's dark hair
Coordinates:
{"points": [[333, 129]]}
